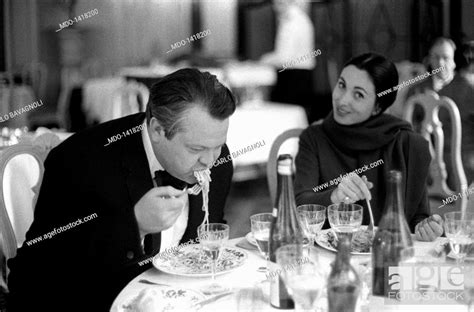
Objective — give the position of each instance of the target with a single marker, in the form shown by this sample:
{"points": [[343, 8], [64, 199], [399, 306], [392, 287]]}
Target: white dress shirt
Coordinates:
{"points": [[294, 39], [171, 236]]}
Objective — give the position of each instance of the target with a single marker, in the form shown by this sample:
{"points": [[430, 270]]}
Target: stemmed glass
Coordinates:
{"points": [[301, 276], [212, 237], [311, 218], [459, 230], [345, 219], [260, 225]]}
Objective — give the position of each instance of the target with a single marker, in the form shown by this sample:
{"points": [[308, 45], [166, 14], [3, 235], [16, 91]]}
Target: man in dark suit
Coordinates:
{"points": [[106, 204]]}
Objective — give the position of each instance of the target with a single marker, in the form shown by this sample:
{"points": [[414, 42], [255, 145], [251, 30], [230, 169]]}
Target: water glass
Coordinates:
{"points": [[312, 219], [301, 276], [345, 219], [212, 237], [459, 229], [260, 225]]}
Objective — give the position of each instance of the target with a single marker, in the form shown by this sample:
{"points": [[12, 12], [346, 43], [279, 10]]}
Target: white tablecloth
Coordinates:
{"points": [[247, 276], [263, 123]]}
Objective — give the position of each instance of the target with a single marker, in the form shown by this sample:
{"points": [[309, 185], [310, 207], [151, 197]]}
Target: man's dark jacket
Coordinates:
{"points": [[86, 266]]}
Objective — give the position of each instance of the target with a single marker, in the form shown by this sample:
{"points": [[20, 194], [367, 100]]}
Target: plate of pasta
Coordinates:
{"points": [[191, 260], [361, 244]]}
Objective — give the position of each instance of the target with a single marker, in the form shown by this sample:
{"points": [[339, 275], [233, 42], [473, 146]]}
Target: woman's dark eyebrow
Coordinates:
{"points": [[360, 88]]}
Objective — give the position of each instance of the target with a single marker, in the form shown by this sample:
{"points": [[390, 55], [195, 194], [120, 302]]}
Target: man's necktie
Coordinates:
{"points": [[162, 178]]}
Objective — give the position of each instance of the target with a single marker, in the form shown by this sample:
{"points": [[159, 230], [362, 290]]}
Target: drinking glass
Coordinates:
{"points": [[301, 276], [345, 219], [423, 260], [260, 225], [212, 237], [311, 218], [459, 230]]}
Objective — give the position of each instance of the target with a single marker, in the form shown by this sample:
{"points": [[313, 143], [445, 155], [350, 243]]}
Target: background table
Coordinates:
{"points": [[247, 277]]}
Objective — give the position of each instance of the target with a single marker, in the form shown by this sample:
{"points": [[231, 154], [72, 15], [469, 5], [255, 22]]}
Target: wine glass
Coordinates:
{"points": [[212, 237], [312, 218], [345, 219], [260, 225], [459, 230], [301, 276]]}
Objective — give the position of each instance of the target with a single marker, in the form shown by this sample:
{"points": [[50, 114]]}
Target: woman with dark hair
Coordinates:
{"points": [[357, 138]]}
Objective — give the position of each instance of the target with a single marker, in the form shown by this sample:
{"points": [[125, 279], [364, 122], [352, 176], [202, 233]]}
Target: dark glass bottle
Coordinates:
{"points": [[285, 230], [392, 237], [344, 283]]}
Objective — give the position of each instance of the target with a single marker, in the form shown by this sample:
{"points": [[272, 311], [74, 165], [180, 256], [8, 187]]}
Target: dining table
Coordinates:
{"points": [[250, 287]]}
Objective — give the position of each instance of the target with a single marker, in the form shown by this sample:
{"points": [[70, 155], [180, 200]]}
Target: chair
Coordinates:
{"points": [[130, 99], [431, 130], [273, 158], [21, 174]]}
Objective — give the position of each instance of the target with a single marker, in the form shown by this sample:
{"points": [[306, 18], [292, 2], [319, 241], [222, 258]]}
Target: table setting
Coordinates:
{"points": [[239, 281], [289, 262]]}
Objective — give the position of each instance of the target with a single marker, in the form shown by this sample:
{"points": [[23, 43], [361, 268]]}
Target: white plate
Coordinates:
{"points": [[161, 299], [322, 240], [191, 260], [251, 239]]}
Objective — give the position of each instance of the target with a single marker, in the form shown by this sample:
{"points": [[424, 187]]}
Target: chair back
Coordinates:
{"points": [[130, 99], [36, 74], [273, 158], [432, 131], [21, 174]]}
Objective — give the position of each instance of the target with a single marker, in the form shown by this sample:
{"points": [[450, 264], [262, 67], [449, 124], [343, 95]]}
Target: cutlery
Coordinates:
{"points": [[195, 190], [201, 303], [144, 281], [371, 225]]}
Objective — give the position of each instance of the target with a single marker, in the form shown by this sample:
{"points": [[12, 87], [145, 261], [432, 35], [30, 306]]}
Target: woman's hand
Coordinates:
{"points": [[351, 189], [429, 229]]}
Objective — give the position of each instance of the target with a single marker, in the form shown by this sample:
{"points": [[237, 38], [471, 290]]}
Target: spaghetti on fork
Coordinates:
{"points": [[204, 178]]}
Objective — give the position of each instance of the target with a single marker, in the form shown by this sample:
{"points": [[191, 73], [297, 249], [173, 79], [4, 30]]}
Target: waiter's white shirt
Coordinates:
{"points": [[294, 39], [171, 236]]}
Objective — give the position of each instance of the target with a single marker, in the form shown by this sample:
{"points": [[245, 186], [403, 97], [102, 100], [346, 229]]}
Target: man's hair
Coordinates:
{"points": [[440, 40], [174, 94]]}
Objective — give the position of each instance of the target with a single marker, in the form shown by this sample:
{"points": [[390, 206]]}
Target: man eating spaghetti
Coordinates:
{"points": [[140, 189]]}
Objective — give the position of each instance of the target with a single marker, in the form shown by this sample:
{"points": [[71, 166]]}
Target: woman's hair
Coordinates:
{"points": [[383, 74]]}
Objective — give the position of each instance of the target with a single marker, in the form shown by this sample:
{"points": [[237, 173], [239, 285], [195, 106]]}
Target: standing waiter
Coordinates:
{"points": [[294, 44]]}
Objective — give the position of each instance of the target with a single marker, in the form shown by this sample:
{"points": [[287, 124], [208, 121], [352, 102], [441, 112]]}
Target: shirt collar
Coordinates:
{"points": [[150, 155]]}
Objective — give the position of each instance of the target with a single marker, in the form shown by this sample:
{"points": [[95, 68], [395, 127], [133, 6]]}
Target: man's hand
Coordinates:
{"points": [[429, 229], [351, 189], [158, 209]]}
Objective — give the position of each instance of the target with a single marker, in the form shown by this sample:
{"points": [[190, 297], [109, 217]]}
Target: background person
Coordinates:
{"points": [[124, 183], [294, 39], [458, 88], [357, 133]]}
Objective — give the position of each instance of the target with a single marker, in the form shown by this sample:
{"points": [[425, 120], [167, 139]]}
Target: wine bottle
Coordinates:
{"points": [[343, 283], [285, 230], [392, 237]]}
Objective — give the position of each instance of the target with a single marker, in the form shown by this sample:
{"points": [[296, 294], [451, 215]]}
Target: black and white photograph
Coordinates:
{"points": [[236, 155]]}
